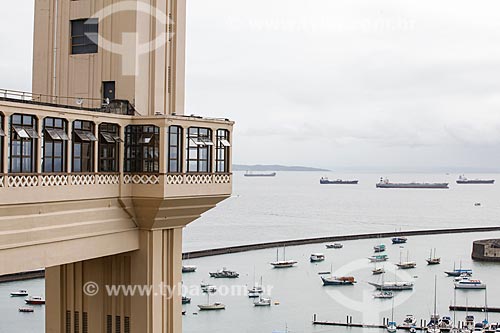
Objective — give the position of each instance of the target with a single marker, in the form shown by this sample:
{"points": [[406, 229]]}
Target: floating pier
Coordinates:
{"points": [[474, 309], [349, 323]]}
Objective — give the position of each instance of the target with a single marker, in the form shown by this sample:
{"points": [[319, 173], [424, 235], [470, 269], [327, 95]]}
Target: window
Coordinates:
{"points": [[174, 149], [199, 150], [23, 143], [2, 135], [55, 139], [142, 148], [83, 146], [109, 140], [222, 151], [84, 36]]}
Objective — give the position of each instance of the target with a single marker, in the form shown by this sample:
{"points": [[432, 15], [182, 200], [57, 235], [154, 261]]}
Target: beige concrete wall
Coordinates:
{"points": [[153, 79]]}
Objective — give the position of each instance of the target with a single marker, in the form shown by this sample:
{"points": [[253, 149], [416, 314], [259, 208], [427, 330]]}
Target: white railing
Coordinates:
{"points": [[141, 179]]}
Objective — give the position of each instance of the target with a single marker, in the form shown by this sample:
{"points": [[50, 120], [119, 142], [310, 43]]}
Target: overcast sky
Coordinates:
{"points": [[343, 84]]}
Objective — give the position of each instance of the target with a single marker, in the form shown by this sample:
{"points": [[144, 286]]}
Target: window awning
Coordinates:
{"points": [[31, 132], [202, 141], [54, 135], [62, 134], [85, 135], [108, 137], [225, 143], [146, 138], [2, 133], [21, 132], [117, 138]]}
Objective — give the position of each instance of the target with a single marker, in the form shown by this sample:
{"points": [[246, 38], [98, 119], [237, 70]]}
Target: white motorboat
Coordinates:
{"points": [[409, 321], [35, 300], [384, 295], [393, 286], [263, 302], [19, 293], [317, 257], [211, 307], [334, 246], [189, 269], [468, 283]]}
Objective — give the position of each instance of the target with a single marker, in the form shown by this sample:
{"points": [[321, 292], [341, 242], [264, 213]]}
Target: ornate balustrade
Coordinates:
{"points": [[20, 180]]}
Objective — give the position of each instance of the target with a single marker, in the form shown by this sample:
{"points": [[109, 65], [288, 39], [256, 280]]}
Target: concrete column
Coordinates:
{"points": [[38, 146], [163, 152]]}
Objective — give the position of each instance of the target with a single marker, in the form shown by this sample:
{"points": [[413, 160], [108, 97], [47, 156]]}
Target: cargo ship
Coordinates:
{"points": [[385, 183], [463, 180], [326, 181]]}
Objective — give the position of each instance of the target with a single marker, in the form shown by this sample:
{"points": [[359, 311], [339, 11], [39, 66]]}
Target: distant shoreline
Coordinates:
{"points": [[269, 167]]}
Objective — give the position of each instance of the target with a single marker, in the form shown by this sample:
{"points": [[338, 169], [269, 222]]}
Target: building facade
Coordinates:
{"points": [[100, 168]]}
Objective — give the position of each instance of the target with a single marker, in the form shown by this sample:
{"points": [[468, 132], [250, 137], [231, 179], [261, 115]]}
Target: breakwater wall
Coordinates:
{"points": [[298, 242], [38, 274]]}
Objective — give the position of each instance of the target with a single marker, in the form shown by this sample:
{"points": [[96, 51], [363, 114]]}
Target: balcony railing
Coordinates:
{"points": [[123, 107], [19, 180]]}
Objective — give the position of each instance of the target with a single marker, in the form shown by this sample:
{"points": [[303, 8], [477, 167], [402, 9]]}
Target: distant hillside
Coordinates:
{"points": [[241, 167]]}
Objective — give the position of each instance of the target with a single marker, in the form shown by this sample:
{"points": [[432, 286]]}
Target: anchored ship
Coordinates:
{"points": [[463, 180], [385, 183], [326, 181]]}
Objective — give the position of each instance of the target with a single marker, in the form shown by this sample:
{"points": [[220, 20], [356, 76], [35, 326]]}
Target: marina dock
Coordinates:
{"points": [[474, 309], [349, 323]]}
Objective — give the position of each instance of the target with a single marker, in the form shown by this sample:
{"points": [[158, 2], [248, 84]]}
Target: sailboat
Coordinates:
{"points": [[433, 326], [211, 307], [383, 294], [392, 326], [283, 263], [262, 302], [338, 280], [433, 260], [378, 271], [256, 290], [406, 264], [458, 272]]}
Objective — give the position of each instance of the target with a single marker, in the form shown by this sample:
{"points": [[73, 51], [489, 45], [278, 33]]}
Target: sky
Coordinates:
{"points": [[344, 84]]}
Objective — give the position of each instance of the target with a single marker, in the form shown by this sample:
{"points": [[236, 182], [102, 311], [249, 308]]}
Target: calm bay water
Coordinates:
{"points": [[294, 205]]}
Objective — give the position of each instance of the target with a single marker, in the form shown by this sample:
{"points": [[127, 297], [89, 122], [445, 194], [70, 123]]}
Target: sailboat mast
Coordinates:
{"points": [[435, 295], [454, 307]]}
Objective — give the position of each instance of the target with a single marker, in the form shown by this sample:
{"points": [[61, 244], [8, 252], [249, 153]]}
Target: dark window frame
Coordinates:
{"points": [[23, 144], [84, 36], [55, 136], [83, 137], [199, 150], [142, 149], [175, 149], [109, 147], [222, 151]]}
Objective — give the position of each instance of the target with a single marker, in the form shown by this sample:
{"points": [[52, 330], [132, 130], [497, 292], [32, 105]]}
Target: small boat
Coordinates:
{"points": [[207, 288], [433, 260], [409, 321], [384, 294], [334, 246], [433, 325], [477, 204], [283, 263], [212, 307], [399, 240], [393, 286], [186, 300], [338, 281], [326, 181], [445, 325], [26, 309], [379, 258], [263, 302], [467, 283], [256, 290], [35, 300], [317, 257], [189, 269], [224, 274], [253, 294], [379, 248], [458, 272], [392, 327], [406, 264], [19, 293], [378, 271]]}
